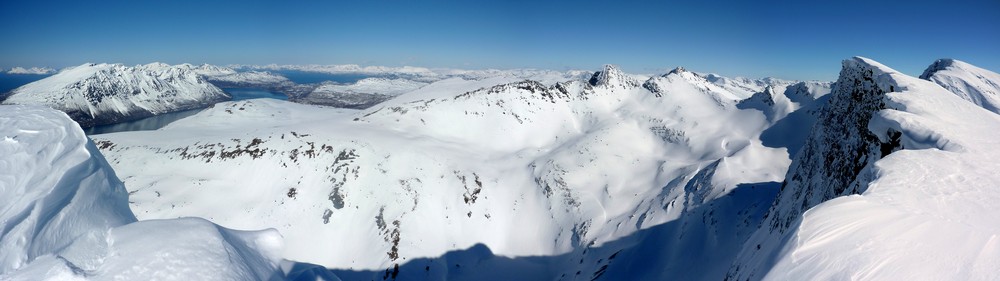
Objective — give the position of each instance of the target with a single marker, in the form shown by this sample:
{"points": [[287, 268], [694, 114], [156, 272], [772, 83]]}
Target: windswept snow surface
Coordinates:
{"points": [[896, 181], [476, 174], [98, 94], [64, 215]]}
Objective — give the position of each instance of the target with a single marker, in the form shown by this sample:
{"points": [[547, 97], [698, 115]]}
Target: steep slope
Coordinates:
{"points": [[974, 84], [98, 94], [64, 216], [895, 178], [522, 167]]}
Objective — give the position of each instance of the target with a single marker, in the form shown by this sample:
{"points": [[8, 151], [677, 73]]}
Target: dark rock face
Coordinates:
{"points": [[838, 148]]}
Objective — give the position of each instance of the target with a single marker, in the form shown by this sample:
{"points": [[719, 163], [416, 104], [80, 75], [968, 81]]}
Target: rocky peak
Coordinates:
{"points": [[678, 70], [612, 77], [840, 146]]}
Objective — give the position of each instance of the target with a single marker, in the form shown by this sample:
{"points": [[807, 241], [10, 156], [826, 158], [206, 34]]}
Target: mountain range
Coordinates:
{"points": [[525, 175]]}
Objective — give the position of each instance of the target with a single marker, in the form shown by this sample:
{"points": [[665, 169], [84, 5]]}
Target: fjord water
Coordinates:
{"points": [[250, 93], [159, 121], [144, 124], [12, 81]]}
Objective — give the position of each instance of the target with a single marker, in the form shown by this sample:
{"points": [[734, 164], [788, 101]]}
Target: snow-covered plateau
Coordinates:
{"points": [[524, 175]]}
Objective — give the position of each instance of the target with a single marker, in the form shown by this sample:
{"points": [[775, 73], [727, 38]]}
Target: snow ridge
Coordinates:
{"points": [[967, 81]]}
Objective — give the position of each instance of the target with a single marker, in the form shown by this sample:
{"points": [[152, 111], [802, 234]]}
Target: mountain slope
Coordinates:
{"points": [[98, 94], [65, 216], [893, 182], [977, 85]]}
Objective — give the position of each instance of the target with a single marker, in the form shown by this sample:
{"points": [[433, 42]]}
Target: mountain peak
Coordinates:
{"points": [[938, 65], [677, 70], [612, 76]]}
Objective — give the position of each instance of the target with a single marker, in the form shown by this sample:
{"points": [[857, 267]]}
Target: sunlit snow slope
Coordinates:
{"points": [[64, 215]]}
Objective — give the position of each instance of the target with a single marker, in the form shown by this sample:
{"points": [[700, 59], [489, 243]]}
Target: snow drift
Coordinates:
{"points": [[64, 216]]}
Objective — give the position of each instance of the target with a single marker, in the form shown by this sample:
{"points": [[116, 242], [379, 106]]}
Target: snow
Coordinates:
{"points": [[372, 85], [249, 78], [31, 70], [525, 174], [65, 216], [362, 94], [426, 75]]}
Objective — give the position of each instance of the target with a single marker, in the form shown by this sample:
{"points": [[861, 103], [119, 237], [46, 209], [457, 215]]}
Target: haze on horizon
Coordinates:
{"points": [[785, 39]]}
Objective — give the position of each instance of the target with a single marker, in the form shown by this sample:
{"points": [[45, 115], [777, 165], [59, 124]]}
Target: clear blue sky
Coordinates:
{"points": [[786, 39]]}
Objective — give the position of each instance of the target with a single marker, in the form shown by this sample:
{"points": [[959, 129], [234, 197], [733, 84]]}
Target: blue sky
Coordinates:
{"points": [[786, 39]]}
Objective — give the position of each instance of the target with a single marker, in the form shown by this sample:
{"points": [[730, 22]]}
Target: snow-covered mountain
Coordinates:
{"points": [[248, 79], [97, 94], [577, 170], [65, 216], [895, 181], [422, 74], [362, 94], [980, 86], [31, 70]]}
